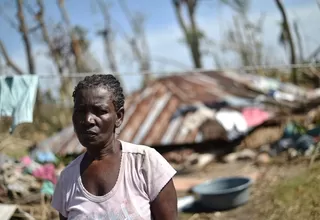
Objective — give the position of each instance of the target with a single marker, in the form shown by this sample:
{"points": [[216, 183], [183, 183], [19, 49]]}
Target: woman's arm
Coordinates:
{"points": [[164, 207]]}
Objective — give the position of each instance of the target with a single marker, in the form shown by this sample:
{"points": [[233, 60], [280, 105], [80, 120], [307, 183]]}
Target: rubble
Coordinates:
{"points": [[244, 155], [232, 157], [263, 159], [27, 183], [247, 154], [193, 162]]}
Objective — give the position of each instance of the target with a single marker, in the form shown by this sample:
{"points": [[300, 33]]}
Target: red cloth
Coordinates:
{"points": [[255, 116]]}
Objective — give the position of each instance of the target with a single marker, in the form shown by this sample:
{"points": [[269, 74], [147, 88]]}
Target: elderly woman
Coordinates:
{"points": [[113, 179]]}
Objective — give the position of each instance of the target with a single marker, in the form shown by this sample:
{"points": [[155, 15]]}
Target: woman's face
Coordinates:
{"points": [[95, 117]]}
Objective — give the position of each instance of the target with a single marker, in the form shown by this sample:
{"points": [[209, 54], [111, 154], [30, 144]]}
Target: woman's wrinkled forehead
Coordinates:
{"points": [[89, 96]]}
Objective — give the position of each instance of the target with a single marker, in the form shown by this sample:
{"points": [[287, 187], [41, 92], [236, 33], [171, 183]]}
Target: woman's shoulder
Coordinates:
{"points": [[131, 148], [72, 167], [143, 153]]}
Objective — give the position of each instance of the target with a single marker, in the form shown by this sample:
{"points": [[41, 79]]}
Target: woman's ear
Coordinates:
{"points": [[120, 115]]}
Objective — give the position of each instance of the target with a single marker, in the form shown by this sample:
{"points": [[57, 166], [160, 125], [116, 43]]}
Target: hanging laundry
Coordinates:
{"points": [[255, 116], [17, 98]]}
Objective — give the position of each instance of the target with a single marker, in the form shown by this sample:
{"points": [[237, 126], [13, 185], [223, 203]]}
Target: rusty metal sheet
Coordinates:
{"points": [[159, 106], [156, 132]]}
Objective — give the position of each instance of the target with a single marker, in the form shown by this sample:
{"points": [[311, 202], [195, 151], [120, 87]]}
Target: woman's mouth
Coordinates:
{"points": [[90, 133]]}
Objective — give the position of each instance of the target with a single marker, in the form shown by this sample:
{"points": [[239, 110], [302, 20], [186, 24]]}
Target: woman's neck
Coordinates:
{"points": [[111, 148]]}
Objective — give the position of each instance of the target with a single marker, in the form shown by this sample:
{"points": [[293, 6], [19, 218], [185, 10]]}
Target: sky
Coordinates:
{"points": [[164, 34]]}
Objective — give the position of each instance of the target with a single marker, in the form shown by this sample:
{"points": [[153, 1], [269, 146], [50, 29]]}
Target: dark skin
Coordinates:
{"points": [[95, 120]]}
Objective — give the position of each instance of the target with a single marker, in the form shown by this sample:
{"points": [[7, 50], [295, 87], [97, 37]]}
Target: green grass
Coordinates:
{"points": [[295, 198]]}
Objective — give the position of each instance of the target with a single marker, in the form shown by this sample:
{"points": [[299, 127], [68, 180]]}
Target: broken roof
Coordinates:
{"points": [[149, 112]]}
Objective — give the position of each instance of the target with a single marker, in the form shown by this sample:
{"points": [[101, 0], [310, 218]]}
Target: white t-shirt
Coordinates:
{"points": [[143, 174]]}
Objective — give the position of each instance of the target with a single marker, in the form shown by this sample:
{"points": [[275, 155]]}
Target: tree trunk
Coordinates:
{"points": [[24, 32], [107, 35], [141, 53], [74, 42], [299, 40], [109, 52], [45, 36], [293, 60], [195, 44], [191, 33]]}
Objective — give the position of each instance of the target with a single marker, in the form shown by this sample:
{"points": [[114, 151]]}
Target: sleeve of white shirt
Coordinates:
{"points": [[59, 197], [157, 172]]}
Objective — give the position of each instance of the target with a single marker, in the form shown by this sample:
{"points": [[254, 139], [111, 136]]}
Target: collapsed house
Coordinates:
{"points": [[196, 111]]}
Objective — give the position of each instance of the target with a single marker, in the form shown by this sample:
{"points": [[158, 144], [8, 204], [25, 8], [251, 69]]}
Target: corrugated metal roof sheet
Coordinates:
{"points": [[149, 119], [149, 111]]}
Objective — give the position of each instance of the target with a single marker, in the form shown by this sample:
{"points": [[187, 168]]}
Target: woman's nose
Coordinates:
{"points": [[89, 118]]}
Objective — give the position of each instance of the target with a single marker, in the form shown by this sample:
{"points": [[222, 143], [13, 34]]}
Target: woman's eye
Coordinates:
{"points": [[103, 111]]}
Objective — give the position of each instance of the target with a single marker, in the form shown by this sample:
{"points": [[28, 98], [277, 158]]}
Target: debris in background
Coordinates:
{"points": [[263, 159], [244, 155], [247, 154], [233, 122], [23, 181], [7, 211], [45, 157], [47, 188], [254, 116]]}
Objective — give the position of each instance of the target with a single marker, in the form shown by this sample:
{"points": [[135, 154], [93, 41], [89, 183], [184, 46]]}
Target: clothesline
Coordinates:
{"points": [[185, 72]]}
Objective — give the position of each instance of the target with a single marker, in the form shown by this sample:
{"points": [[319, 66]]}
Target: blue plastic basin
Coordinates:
{"points": [[223, 193]]}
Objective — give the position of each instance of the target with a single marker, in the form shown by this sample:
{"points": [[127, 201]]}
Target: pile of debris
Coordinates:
{"points": [[294, 140], [29, 182], [283, 138]]}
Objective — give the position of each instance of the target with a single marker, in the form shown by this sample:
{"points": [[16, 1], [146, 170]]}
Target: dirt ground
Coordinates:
{"points": [[273, 195]]}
